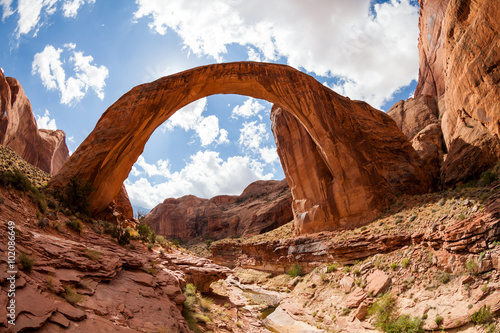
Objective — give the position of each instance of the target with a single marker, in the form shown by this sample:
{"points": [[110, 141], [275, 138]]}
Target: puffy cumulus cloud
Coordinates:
{"points": [[252, 135], [31, 12], [249, 108], [205, 175], [49, 66], [45, 122], [190, 118], [269, 155], [370, 48]]}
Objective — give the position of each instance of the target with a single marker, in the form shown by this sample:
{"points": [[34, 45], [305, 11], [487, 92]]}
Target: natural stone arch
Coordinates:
{"points": [[367, 157]]}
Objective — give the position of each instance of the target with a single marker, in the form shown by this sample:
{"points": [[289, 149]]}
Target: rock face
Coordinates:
{"points": [[263, 206], [45, 149], [457, 92], [458, 239], [431, 75], [368, 158]]}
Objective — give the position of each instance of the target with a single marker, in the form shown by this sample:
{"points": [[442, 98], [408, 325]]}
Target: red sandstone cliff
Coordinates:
{"points": [[45, 149], [454, 119], [263, 206]]}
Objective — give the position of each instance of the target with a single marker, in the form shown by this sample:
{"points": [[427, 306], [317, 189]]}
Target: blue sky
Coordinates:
{"points": [[74, 58]]}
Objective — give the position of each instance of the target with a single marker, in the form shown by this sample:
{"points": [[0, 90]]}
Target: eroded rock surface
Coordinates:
{"points": [[45, 149], [123, 289], [459, 78], [263, 206]]}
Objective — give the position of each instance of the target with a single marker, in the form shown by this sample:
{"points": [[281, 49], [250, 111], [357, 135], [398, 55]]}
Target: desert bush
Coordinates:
{"points": [[438, 320], [76, 225], [74, 195], [332, 268], [405, 262], [488, 177], [72, 296], [296, 270], [26, 261], [386, 319], [144, 231], [482, 316], [471, 266], [121, 235], [18, 180]]}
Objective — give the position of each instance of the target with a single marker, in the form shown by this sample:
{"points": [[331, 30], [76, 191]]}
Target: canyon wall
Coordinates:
{"points": [[454, 117], [263, 206], [45, 149]]}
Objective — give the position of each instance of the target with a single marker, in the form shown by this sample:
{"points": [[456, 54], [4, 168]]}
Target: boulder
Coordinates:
{"points": [[377, 282]]}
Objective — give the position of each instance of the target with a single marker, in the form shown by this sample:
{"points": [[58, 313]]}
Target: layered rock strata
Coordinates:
{"points": [[455, 238], [263, 206]]}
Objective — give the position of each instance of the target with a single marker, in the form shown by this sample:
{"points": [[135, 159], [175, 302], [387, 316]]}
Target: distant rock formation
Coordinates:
{"points": [[367, 158], [45, 149], [454, 119], [263, 206]]}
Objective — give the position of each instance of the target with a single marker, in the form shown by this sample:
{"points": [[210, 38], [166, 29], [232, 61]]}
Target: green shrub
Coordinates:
{"points": [[72, 296], [471, 266], [19, 181], [296, 270], [152, 237], [26, 261], [74, 195], [394, 266], [356, 271], [384, 310], [144, 231], [76, 225], [405, 262], [122, 235], [404, 324], [482, 316], [347, 269], [488, 177], [445, 278], [332, 268], [175, 242], [438, 320]]}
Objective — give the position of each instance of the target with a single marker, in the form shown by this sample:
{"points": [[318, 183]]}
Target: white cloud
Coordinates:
{"points": [[249, 108], [373, 52], [71, 139], [45, 122], [70, 7], [162, 168], [6, 9], [190, 118], [223, 137], [206, 175], [49, 66], [252, 135], [31, 12], [269, 155]]}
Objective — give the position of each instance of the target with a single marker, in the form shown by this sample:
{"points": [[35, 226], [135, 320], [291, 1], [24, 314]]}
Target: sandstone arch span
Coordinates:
{"points": [[364, 158]]}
